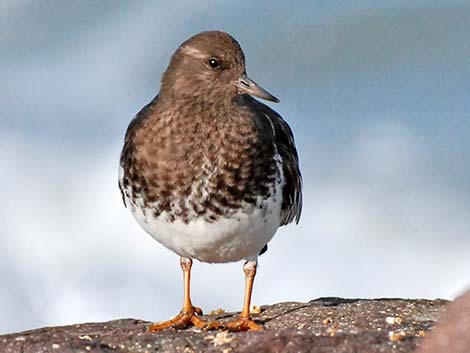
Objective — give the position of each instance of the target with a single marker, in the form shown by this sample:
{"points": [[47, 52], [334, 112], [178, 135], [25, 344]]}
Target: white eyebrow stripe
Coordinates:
{"points": [[196, 53]]}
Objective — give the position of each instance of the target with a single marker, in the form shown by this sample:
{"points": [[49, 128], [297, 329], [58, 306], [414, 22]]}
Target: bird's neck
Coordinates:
{"points": [[202, 98]]}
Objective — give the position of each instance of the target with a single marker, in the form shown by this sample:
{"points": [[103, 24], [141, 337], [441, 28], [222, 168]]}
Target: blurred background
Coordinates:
{"points": [[377, 94]]}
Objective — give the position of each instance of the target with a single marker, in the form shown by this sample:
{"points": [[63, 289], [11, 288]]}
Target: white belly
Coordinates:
{"points": [[242, 236]]}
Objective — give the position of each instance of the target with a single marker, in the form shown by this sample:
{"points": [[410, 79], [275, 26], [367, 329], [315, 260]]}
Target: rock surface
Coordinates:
{"points": [[332, 325], [452, 333]]}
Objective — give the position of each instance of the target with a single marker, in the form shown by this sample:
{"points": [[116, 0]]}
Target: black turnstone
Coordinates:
{"points": [[209, 171]]}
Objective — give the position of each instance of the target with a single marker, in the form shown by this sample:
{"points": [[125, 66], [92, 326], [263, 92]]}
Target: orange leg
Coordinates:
{"points": [[189, 314], [244, 322]]}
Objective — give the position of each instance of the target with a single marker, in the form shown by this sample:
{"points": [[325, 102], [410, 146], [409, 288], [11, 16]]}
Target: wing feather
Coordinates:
{"points": [[284, 140]]}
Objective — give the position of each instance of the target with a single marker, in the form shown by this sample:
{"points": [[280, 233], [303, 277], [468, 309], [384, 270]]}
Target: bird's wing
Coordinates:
{"points": [[284, 140], [138, 118], [126, 153]]}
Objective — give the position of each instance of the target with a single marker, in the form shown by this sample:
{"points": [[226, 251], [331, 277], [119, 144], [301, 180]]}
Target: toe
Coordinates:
{"points": [[206, 324], [243, 324], [180, 321], [197, 310], [184, 320]]}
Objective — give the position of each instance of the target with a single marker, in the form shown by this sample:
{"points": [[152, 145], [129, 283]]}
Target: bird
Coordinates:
{"points": [[208, 170]]}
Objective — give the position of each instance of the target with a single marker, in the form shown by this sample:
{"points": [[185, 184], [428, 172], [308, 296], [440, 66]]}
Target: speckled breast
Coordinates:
{"points": [[198, 161]]}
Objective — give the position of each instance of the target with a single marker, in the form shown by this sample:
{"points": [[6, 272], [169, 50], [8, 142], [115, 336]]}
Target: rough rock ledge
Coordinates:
{"points": [[332, 325]]}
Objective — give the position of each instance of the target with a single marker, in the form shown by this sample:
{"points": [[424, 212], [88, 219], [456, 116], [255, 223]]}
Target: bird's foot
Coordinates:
{"points": [[184, 320], [243, 324]]}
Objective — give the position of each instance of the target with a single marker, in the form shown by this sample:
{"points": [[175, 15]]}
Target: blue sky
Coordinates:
{"points": [[377, 96]]}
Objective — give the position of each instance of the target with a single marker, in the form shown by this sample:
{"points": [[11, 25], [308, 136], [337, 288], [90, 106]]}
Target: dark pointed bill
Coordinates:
{"points": [[247, 85]]}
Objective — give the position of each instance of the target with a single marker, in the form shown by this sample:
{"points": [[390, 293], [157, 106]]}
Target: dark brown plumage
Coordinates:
{"points": [[206, 169]]}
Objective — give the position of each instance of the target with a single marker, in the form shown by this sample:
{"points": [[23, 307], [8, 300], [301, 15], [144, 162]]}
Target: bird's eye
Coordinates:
{"points": [[214, 63]]}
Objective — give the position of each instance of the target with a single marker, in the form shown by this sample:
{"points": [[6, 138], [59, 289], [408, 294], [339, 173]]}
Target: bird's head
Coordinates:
{"points": [[209, 65]]}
